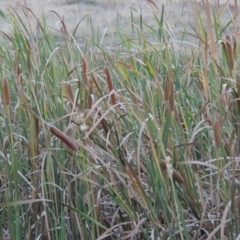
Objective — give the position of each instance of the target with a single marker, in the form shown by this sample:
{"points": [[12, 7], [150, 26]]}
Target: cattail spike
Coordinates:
{"points": [[110, 85], [176, 176], [105, 128], [216, 133], [167, 88], [171, 99], [234, 48], [5, 93], [64, 138], [90, 100], [69, 91], [229, 51], [84, 70], [169, 91]]}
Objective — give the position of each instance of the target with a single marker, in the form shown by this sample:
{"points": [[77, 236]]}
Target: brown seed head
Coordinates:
{"points": [[229, 51], [69, 91], [84, 69], [176, 176], [64, 138], [5, 93], [110, 85], [216, 132]]}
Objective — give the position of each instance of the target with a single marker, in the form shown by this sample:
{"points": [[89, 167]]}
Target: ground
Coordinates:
{"points": [[105, 15]]}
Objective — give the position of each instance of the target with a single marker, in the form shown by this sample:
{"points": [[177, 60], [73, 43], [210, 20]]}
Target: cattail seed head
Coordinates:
{"points": [[229, 51], [216, 133], [177, 176], [167, 88], [110, 85], [84, 69], [5, 93], [166, 165], [69, 91], [64, 138]]}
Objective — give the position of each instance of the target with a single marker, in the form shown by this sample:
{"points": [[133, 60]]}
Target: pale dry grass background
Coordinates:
{"points": [[106, 14]]}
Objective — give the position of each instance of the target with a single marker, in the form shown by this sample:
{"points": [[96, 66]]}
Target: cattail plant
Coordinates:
{"points": [[68, 89], [68, 93], [169, 91], [71, 143], [5, 93], [229, 49], [165, 165], [110, 85], [217, 133], [84, 70]]}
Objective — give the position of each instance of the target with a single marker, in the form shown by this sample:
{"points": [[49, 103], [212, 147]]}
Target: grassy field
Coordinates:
{"points": [[129, 135]]}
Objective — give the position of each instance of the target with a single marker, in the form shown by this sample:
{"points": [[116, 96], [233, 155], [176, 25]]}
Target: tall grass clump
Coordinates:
{"points": [[137, 142]]}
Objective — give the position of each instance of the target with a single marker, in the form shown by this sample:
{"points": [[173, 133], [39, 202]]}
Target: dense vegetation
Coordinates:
{"points": [[139, 141]]}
